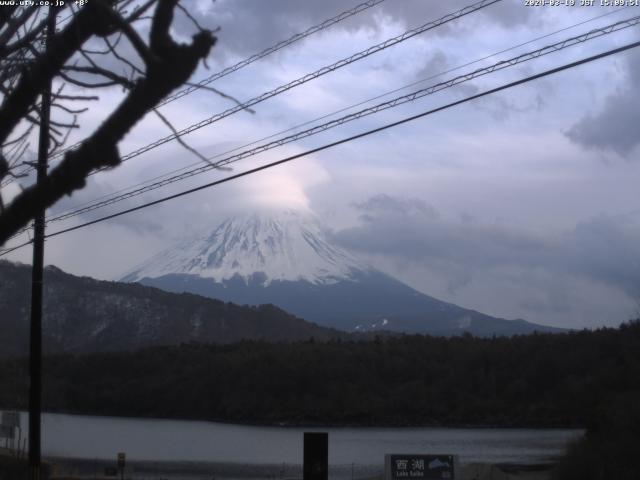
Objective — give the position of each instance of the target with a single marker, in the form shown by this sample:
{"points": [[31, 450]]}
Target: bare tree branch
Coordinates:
{"points": [[80, 83], [62, 46], [95, 70], [76, 97], [169, 66], [6, 13], [69, 110], [24, 41], [190, 17], [222, 94], [14, 25], [129, 32], [112, 49], [180, 140], [140, 10]]}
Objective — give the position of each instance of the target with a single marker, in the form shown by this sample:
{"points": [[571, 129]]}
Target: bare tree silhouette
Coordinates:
{"points": [[97, 44]]}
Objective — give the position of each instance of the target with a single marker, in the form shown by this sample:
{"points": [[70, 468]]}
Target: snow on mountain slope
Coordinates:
{"points": [[289, 245], [285, 259]]}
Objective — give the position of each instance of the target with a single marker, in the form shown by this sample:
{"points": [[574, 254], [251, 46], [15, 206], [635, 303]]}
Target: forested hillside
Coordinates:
{"points": [[83, 315], [538, 380]]}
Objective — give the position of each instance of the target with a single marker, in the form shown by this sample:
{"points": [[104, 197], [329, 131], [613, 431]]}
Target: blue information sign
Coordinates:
{"points": [[420, 467]]}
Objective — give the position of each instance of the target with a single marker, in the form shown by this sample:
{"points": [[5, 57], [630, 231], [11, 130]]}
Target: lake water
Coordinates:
{"points": [[89, 437]]}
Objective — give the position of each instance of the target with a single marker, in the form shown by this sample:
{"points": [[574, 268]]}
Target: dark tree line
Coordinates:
{"points": [[609, 449], [534, 380]]}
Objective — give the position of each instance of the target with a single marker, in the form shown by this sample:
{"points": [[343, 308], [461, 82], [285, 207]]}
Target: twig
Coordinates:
{"points": [[180, 141], [80, 83], [222, 94], [95, 70]]}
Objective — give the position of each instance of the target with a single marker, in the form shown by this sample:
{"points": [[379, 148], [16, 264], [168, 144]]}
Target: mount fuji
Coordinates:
{"points": [[286, 259]]}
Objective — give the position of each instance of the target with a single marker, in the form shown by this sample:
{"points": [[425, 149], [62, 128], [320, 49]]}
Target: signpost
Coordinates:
{"points": [[315, 456], [11, 419], [420, 467], [9, 422], [121, 462], [7, 431]]}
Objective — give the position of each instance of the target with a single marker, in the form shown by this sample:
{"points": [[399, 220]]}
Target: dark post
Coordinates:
{"points": [[316, 456], [121, 463], [35, 357]]}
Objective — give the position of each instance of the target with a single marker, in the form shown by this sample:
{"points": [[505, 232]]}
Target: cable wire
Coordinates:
{"points": [[268, 51], [247, 61], [300, 81], [592, 34], [341, 110], [310, 76], [345, 140]]}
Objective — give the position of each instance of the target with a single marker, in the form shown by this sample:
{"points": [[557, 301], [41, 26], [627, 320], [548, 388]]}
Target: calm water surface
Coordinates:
{"points": [[90, 437]]}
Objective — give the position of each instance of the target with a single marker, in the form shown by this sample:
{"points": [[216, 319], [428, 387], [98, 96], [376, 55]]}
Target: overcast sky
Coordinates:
{"points": [[521, 205]]}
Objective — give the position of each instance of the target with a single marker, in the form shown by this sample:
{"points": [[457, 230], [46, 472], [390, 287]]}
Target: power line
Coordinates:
{"points": [[595, 33], [592, 34], [298, 36], [324, 70], [311, 76], [253, 58], [7, 251], [344, 109], [304, 79], [345, 140], [92, 205]]}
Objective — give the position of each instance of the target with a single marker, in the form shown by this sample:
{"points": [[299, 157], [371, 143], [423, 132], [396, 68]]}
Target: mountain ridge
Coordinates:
{"points": [[82, 314]]}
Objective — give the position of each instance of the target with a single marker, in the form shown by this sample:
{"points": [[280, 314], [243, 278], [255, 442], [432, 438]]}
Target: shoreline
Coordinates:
{"points": [[63, 468], [315, 424]]}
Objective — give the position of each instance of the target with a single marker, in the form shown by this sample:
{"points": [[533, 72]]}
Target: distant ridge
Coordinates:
{"points": [[86, 315]]}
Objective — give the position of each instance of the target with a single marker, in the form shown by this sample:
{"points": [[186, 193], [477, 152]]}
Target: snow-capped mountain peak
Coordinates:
{"points": [[286, 259], [289, 245]]}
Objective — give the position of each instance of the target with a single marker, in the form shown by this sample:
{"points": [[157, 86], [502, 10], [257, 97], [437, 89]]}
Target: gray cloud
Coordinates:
{"points": [[507, 14], [608, 249], [604, 249], [411, 229], [615, 127], [501, 108], [265, 23], [405, 206], [462, 161], [433, 66]]}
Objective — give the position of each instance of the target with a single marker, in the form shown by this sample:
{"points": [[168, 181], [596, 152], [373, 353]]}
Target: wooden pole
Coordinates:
{"points": [[35, 352]]}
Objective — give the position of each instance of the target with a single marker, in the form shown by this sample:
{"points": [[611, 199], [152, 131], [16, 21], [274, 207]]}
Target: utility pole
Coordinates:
{"points": [[35, 352]]}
